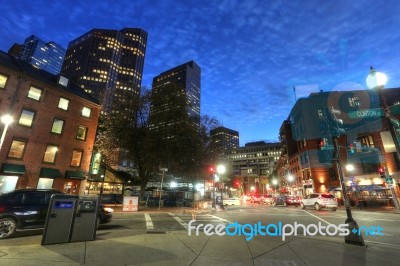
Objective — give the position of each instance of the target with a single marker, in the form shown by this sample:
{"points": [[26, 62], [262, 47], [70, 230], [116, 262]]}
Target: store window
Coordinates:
{"points": [[50, 154], [34, 93], [63, 103], [45, 183], [26, 118], [7, 183], [17, 149], [58, 125], [82, 131]]}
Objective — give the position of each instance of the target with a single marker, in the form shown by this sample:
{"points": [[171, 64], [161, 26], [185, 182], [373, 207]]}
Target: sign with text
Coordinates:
{"points": [[375, 112]]}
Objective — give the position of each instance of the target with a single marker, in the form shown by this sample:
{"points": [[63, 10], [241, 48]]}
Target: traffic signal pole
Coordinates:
{"points": [[353, 237]]}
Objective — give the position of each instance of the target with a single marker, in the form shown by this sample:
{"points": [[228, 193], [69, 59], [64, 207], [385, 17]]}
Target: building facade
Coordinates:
{"points": [[49, 143], [252, 166], [108, 64], [223, 139], [48, 56], [365, 142], [176, 96]]}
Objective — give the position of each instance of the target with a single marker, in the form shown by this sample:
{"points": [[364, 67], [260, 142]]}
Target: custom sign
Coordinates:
{"points": [[96, 163]]}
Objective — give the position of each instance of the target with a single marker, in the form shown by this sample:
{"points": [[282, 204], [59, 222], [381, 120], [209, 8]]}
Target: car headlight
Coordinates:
{"points": [[107, 209]]}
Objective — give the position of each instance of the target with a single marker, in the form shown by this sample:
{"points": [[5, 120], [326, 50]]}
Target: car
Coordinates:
{"points": [[293, 200], [23, 209], [231, 201], [279, 201], [267, 199], [255, 199], [319, 201]]}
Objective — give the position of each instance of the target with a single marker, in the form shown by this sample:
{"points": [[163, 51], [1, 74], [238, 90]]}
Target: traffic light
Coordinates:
{"points": [[381, 171], [351, 149], [211, 169], [336, 123], [321, 145]]}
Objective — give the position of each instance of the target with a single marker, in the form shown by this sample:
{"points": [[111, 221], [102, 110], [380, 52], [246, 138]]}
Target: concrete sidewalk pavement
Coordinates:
{"points": [[127, 247]]}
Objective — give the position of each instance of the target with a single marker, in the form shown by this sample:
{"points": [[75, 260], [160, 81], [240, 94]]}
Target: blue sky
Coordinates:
{"points": [[252, 53]]}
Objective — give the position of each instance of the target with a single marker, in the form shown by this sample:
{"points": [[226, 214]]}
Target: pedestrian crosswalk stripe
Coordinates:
{"points": [[149, 222]]}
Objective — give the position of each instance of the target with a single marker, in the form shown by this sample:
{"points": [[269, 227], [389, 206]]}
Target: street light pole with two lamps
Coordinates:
{"points": [[377, 81]]}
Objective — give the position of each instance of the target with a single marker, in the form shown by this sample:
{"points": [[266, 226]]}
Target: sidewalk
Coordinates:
{"points": [[178, 248]]}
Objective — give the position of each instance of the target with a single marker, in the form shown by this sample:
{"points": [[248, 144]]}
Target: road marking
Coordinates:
{"points": [[317, 217], [179, 220], [219, 218], [149, 222]]}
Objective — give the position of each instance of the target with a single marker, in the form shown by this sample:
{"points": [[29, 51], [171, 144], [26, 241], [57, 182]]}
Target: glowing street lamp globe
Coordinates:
{"points": [[375, 79]]}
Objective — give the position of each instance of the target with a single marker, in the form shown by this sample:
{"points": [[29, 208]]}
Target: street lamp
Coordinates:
{"points": [[221, 169], [376, 81], [6, 120], [275, 183], [162, 180]]}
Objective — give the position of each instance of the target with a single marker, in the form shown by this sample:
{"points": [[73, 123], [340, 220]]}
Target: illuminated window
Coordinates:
{"points": [[63, 103], [17, 149], [3, 81], [58, 125], [26, 118], [34, 93], [82, 131], [50, 154], [86, 111], [76, 158]]}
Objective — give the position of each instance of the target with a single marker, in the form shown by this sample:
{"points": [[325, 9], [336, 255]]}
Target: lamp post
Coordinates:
{"points": [[221, 169], [6, 120], [275, 183], [377, 81], [162, 180]]}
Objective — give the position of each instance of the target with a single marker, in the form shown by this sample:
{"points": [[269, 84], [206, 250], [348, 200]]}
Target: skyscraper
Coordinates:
{"points": [[48, 56], [176, 96], [223, 139], [108, 64]]}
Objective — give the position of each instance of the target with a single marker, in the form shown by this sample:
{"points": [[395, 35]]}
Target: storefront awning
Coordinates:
{"points": [[75, 174], [49, 172], [17, 169]]}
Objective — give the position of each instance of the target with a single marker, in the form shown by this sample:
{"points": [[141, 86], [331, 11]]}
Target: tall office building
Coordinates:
{"points": [[48, 56], [176, 96], [108, 64], [223, 139]]}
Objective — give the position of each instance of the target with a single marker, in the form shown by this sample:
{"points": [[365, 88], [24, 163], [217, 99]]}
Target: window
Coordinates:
{"points": [[63, 103], [17, 149], [50, 154], [76, 158], [34, 93], [26, 118], [354, 101], [45, 183], [58, 125], [82, 131], [86, 111], [3, 81]]}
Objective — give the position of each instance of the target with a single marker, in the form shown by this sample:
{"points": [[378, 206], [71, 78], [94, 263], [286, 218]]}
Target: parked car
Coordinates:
{"points": [[232, 201], [267, 199], [255, 199], [279, 201], [23, 209], [293, 200], [319, 201]]}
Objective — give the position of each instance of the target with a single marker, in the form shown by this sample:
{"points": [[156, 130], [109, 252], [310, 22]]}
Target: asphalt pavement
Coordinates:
{"points": [[152, 247]]}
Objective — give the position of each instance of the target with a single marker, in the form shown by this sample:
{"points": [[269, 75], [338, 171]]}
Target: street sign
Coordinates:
{"points": [[389, 180], [374, 112]]}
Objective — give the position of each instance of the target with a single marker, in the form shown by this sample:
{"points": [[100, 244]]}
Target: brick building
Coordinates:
{"points": [[49, 144]]}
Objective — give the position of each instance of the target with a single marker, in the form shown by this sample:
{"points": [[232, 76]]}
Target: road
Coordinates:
{"points": [[162, 222]]}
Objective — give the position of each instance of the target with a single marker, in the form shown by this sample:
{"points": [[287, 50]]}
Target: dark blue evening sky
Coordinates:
{"points": [[252, 53]]}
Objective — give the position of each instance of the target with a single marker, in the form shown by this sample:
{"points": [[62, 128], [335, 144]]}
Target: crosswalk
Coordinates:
{"points": [[163, 221]]}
